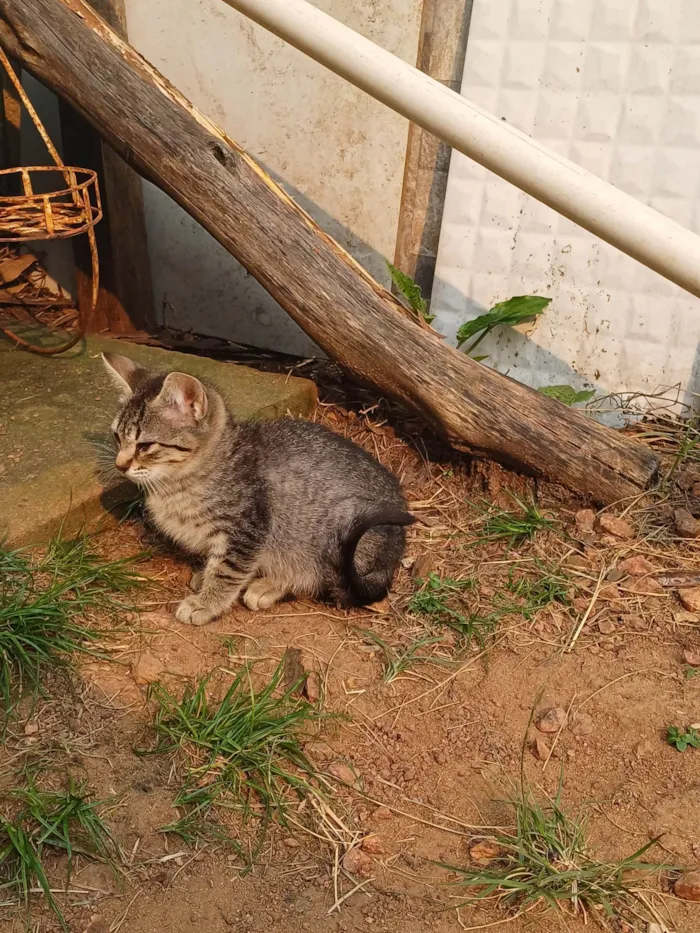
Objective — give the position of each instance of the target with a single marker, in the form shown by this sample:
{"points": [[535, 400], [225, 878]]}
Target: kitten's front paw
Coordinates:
{"points": [[192, 611]]}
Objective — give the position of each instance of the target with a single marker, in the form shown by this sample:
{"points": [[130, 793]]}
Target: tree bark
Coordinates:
{"points": [[356, 321]]}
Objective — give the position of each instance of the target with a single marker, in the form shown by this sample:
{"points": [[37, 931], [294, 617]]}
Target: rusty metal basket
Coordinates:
{"points": [[65, 212], [71, 208]]}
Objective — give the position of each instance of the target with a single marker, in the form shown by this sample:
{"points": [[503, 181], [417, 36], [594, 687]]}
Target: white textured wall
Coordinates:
{"points": [[338, 152], [613, 85]]}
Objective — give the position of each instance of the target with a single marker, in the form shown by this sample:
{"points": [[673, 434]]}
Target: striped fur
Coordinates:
{"points": [[268, 508]]}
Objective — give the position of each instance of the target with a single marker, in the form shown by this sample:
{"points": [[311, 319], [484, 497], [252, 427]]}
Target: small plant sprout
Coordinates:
{"points": [[567, 395], [682, 739], [441, 601], [241, 755], [519, 310], [398, 659], [412, 293], [536, 593], [546, 860], [691, 672], [514, 527]]}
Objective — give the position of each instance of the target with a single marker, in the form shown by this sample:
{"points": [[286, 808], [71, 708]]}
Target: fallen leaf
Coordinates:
{"points": [[11, 269], [485, 851]]}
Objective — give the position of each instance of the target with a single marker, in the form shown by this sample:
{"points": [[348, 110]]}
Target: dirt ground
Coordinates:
{"points": [[434, 752]]}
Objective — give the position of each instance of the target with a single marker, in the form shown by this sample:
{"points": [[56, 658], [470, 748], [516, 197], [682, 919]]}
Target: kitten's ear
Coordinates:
{"points": [[184, 396], [126, 375]]}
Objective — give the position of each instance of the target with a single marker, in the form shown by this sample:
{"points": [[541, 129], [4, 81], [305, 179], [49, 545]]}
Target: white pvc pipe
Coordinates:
{"points": [[636, 229]]}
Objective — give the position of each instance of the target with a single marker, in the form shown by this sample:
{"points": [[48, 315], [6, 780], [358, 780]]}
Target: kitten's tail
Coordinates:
{"points": [[360, 590]]}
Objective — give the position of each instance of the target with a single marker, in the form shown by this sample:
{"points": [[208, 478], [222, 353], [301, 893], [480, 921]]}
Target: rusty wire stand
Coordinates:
{"points": [[73, 208]]}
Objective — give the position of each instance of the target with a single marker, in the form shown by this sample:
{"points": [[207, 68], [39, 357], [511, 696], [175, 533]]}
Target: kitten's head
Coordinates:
{"points": [[164, 422]]}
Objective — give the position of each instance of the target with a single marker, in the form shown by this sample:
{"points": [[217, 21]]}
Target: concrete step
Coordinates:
{"points": [[55, 416]]}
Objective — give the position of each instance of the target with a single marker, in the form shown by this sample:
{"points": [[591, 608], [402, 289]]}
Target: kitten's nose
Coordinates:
{"points": [[123, 461]]}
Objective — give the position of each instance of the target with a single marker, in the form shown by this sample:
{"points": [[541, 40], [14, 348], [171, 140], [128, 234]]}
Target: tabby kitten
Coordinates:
{"points": [[269, 508]]}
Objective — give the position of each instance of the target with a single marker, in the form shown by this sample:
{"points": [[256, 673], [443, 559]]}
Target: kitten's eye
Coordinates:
{"points": [[116, 438], [144, 446]]}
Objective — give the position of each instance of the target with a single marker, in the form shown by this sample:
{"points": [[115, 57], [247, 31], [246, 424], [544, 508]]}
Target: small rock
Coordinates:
{"points": [[695, 490], [31, 728], [612, 525], [551, 720], [585, 520], [97, 924], [644, 750], [485, 851], [665, 514], [578, 562], [613, 575], [606, 626], [146, 669], [373, 845], [633, 622], [685, 481], [690, 598], [647, 585], [319, 749], [688, 886], [686, 525], [686, 618], [357, 862], [611, 591], [382, 813], [343, 773], [540, 748], [381, 607], [423, 565], [583, 725], [636, 566], [291, 843], [691, 656], [98, 877], [654, 927]]}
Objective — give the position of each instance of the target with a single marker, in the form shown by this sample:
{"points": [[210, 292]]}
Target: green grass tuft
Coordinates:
{"points": [[67, 821], [513, 527], [441, 602], [535, 593], [243, 754], [42, 600], [547, 860], [398, 659]]}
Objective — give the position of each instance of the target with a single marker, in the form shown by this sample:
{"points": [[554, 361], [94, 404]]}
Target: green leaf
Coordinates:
{"points": [[411, 292], [513, 311], [567, 394], [479, 359]]}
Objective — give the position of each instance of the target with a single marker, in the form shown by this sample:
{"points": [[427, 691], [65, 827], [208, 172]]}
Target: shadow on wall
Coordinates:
{"points": [[200, 287], [518, 356], [525, 360]]}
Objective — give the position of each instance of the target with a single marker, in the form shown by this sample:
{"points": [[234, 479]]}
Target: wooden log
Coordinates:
{"points": [[356, 321]]}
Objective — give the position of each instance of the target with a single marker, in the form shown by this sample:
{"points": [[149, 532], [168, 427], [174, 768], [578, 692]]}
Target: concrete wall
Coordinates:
{"points": [[613, 85], [339, 153]]}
